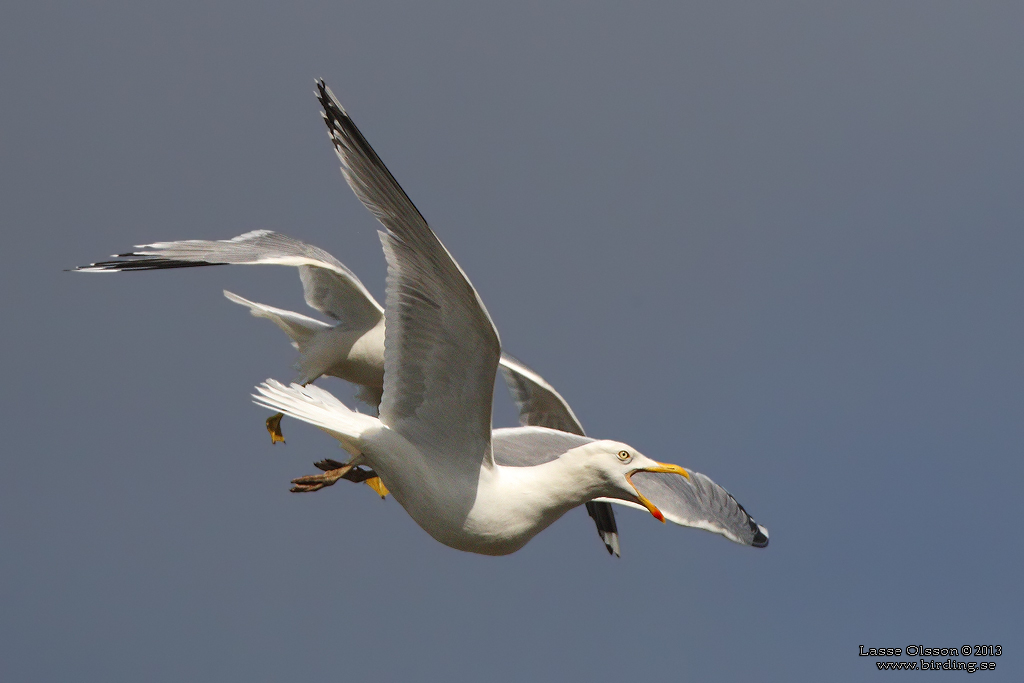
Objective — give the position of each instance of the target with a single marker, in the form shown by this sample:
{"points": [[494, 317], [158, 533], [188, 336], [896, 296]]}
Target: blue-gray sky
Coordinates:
{"points": [[778, 243]]}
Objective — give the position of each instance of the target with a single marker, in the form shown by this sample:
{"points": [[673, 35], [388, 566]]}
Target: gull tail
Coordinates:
{"points": [[317, 407], [299, 328]]}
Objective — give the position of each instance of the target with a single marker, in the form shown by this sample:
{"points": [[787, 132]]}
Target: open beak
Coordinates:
{"points": [[661, 467]]}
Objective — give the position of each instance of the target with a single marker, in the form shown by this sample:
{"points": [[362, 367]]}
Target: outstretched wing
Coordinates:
{"points": [[541, 406], [440, 347], [328, 285], [698, 502], [538, 402]]}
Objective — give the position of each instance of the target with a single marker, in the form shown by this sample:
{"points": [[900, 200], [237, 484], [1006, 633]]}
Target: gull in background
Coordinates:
{"points": [[468, 486]]}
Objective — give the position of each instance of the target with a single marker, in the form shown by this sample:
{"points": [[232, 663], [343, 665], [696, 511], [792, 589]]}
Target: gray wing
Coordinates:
{"points": [[539, 404], [440, 347], [531, 446], [701, 503], [328, 285]]}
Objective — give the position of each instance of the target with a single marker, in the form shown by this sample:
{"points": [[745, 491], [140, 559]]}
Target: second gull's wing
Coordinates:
{"points": [[328, 285]]}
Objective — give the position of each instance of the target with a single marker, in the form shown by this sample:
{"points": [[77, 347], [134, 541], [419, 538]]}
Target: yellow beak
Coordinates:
{"points": [[662, 467]]}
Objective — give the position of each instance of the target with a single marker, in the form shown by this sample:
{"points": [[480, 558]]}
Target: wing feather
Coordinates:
{"points": [[327, 284], [701, 503], [440, 347], [538, 402]]}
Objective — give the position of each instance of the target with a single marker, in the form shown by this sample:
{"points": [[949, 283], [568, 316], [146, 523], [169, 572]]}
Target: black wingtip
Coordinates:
{"points": [[141, 264], [333, 111], [760, 539], [321, 94], [604, 518]]}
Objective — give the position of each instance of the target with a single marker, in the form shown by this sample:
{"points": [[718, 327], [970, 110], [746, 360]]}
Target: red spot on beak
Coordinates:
{"points": [[657, 515]]}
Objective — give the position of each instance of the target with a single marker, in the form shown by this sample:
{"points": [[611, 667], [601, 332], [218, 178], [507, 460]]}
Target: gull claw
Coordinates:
{"points": [[306, 488], [326, 465]]}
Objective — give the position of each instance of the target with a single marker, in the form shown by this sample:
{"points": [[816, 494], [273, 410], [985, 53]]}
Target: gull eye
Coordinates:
{"points": [[624, 456]]}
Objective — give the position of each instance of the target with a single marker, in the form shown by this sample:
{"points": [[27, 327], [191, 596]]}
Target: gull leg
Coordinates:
{"points": [[332, 472], [315, 482], [274, 427], [367, 476]]}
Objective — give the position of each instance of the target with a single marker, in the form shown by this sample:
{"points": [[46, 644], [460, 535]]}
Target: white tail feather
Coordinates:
{"points": [[297, 326], [317, 407]]}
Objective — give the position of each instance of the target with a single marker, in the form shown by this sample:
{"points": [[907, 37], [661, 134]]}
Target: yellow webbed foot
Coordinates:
{"points": [[377, 485], [274, 427]]}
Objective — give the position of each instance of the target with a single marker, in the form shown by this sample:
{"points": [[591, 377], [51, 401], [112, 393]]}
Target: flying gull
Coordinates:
{"points": [[352, 348], [468, 486]]}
